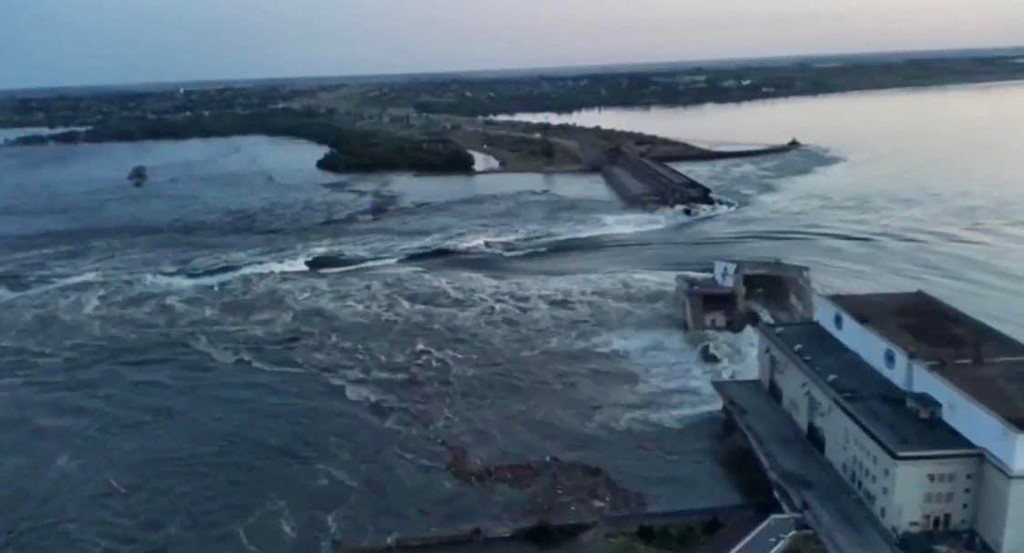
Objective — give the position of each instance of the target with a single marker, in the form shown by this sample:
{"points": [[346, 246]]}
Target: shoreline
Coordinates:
{"points": [[391, 138], [852, 92]]}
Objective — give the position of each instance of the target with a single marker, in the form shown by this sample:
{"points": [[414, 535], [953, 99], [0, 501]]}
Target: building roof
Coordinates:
{"points": [[929, 328], [875, 403], [976, 358], [997, 386]]}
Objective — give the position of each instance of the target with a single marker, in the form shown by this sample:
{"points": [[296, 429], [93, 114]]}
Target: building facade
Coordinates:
{"points": [[916, 404], [908, 470]]}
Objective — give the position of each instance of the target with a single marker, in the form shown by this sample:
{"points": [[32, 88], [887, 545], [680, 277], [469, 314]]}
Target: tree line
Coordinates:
{"points": [[351, 149]]}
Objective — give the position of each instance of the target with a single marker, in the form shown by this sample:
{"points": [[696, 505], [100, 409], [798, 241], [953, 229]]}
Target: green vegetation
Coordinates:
{"points": [[681, 87], [425, 124], [352, 149]]}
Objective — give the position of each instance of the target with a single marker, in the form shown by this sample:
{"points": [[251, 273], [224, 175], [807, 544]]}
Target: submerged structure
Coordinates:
{"points": [[741, 292], [916, 407], [648, 184], [138, 175]]}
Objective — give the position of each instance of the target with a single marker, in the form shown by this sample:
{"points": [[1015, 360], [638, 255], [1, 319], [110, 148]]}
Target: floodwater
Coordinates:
{"points": [[172, 376]]}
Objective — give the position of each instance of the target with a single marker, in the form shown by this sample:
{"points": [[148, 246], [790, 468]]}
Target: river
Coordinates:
{"points": [[173, 377]]}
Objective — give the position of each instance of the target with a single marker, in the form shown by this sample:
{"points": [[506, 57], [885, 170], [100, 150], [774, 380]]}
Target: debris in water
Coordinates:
{"points": [[555, 488], [138, 175]]}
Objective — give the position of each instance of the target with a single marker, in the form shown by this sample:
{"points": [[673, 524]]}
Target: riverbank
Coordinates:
{"points": [[350, 149], [675, 84], [544, 148], [549, 330], [422, 144], [426, 125]]}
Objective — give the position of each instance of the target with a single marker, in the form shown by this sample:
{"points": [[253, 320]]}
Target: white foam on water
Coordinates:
{"points": [[245, 540], [483, 162], [632, 223], [92, 276], [227, 356], [674, 382], [503, 245], [339, 474], [694, 274], [365, 265], [295, 265]]}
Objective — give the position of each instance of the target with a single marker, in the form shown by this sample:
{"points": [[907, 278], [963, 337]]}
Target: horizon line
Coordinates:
{"points": [[498, 71]]}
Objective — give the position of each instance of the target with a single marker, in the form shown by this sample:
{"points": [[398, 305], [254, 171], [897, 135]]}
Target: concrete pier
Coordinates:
{"points": [[648, 184]]}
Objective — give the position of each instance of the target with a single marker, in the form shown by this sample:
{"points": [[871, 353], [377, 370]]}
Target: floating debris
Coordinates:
{"points": [[138, 175]]}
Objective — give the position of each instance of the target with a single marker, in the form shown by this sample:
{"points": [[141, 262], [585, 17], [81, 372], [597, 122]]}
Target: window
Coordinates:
{"points": [[837, 321], [949, 497], [942, 478], [965, 506], [885, 491], [928, 497], [886, 472], [951, 477], [931, 477], [969, 476], [890, 359], [881, 512], [967, 491]]}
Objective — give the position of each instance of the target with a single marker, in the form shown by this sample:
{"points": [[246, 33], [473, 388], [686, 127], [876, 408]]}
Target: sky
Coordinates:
{"points": [[84, 42]]}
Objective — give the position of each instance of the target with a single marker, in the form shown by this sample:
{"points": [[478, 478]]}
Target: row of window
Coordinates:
{"points": [[861, 447], [946, 477], [938, 497], [859, 468]]}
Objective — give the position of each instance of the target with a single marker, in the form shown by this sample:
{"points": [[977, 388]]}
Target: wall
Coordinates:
{"points": [[866, 466], [1000, 520], [869, 469], [892, 489], [932, 488], [693, 309], [725, 272], [865, 342], [963, 413], [972, 420]]}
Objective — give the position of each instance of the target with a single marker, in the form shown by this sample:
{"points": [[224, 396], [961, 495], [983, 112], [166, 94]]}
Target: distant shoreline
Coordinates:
{"points": [[430, 126], [519, 72], [865, 91]]}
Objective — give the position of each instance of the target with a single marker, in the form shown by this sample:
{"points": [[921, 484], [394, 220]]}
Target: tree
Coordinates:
{"points": [[547, 149]]}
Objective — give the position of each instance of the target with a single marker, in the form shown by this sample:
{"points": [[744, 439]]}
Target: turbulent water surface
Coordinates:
{"points": [[173, 376]]}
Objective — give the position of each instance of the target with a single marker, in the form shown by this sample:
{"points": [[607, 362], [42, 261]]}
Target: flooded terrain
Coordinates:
{"points": [[172, 374]]}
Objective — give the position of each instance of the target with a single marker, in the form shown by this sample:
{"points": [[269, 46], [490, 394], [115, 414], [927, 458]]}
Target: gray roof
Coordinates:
{"points": [[928, 327], [998, 386], [971, 355], [875, 403]]}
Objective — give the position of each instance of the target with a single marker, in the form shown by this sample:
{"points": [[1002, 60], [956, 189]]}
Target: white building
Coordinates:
{"points": [[919, 406]]}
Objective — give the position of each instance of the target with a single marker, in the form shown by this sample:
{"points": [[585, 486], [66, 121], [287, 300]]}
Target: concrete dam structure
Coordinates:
{"points": [[648, 184]]}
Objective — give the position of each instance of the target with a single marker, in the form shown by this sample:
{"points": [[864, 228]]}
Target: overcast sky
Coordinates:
{"points": [[69, 42]]}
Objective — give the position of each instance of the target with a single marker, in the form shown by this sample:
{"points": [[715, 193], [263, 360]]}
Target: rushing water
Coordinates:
{"points": [[171, 375], [927, 190]]}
